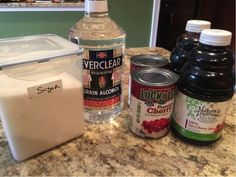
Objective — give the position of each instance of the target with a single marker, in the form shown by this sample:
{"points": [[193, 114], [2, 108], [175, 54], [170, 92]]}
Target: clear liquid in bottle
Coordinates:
{"points": [[104, 43]]}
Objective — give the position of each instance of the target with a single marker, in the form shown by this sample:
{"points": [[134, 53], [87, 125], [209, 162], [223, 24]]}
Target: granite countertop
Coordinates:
{"points": [[111, 149]]}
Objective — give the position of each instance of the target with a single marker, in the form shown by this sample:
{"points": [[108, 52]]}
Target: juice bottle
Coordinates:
{"points": [[206, 86], [186, 42]]}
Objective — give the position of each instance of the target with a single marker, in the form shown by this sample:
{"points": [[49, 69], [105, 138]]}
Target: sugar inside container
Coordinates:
{"points": [[41, 99]]}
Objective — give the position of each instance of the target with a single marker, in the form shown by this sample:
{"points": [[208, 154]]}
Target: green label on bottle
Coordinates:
{"points": [[197, 119]]}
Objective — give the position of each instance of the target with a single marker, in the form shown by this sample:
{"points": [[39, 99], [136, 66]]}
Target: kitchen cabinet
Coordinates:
{"points": [[175, 13]]}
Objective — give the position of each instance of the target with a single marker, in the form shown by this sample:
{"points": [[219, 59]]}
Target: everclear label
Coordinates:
{"points": [[102, 74], [199, 120], [45, 89], [151, 109]]}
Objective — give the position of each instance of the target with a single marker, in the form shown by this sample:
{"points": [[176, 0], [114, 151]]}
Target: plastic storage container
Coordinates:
{"points": [[40, 93]]}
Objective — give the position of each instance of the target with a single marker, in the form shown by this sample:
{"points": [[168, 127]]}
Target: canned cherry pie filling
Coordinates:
{"points": [[152, 100]]}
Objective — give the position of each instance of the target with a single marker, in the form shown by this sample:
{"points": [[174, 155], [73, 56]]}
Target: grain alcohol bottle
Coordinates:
{"points": [[104, 43]]}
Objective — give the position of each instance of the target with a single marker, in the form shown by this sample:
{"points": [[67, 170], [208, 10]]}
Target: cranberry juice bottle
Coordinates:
{"points": [[186, 42], [206, 86]]}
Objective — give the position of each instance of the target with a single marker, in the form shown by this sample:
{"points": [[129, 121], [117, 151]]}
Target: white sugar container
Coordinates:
{"points": [[41, 100]]}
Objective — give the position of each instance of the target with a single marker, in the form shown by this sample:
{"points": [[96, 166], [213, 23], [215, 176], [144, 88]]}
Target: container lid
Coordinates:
{"points": [[197, 26], [155, 77], [38, 48], [148, 60], [215, 37], [96, 6]]}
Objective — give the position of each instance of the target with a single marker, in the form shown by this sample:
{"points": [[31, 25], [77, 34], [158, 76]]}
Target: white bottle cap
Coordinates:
{"points": [[215, 37], [96, 6], [197, 26]]}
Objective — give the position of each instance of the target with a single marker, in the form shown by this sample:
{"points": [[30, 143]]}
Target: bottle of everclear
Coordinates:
{"points": [[104, 43], [186, 42], [206, 86]]}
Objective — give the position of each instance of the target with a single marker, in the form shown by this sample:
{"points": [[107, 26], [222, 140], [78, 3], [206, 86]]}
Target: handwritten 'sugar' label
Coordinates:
{"points": [[45, 89]]}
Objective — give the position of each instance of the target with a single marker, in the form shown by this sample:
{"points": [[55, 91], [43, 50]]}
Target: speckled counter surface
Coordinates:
{"points": [[111, 149]]}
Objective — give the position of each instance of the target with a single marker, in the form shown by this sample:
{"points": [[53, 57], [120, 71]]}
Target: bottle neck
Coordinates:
{"points": [[96, 8], [213, 48], [96, 14], [192, 33]]}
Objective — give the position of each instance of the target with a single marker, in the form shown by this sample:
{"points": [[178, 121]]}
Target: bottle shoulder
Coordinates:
{"points": [[212, 50], [97, 28], [212, 56], [188, 41], [189, 36], [95, 19]]}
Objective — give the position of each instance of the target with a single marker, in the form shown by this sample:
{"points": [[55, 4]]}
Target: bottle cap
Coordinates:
{"points": [[96, 6], [215, 37], [197, 26]]}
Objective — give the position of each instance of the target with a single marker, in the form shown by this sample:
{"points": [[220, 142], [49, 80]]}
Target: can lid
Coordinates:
{"points": [[197, 26], [155, 77], [215, 37], [36, 48], [96, 6], [149, 60]]}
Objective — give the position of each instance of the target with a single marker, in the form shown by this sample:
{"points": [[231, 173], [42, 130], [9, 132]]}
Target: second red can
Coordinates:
{"points": [[145, 61]]}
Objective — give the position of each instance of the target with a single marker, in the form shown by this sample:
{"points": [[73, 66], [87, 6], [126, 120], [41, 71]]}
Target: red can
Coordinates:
{"points": [[152, 100], [143, 61], [138, 62]]}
